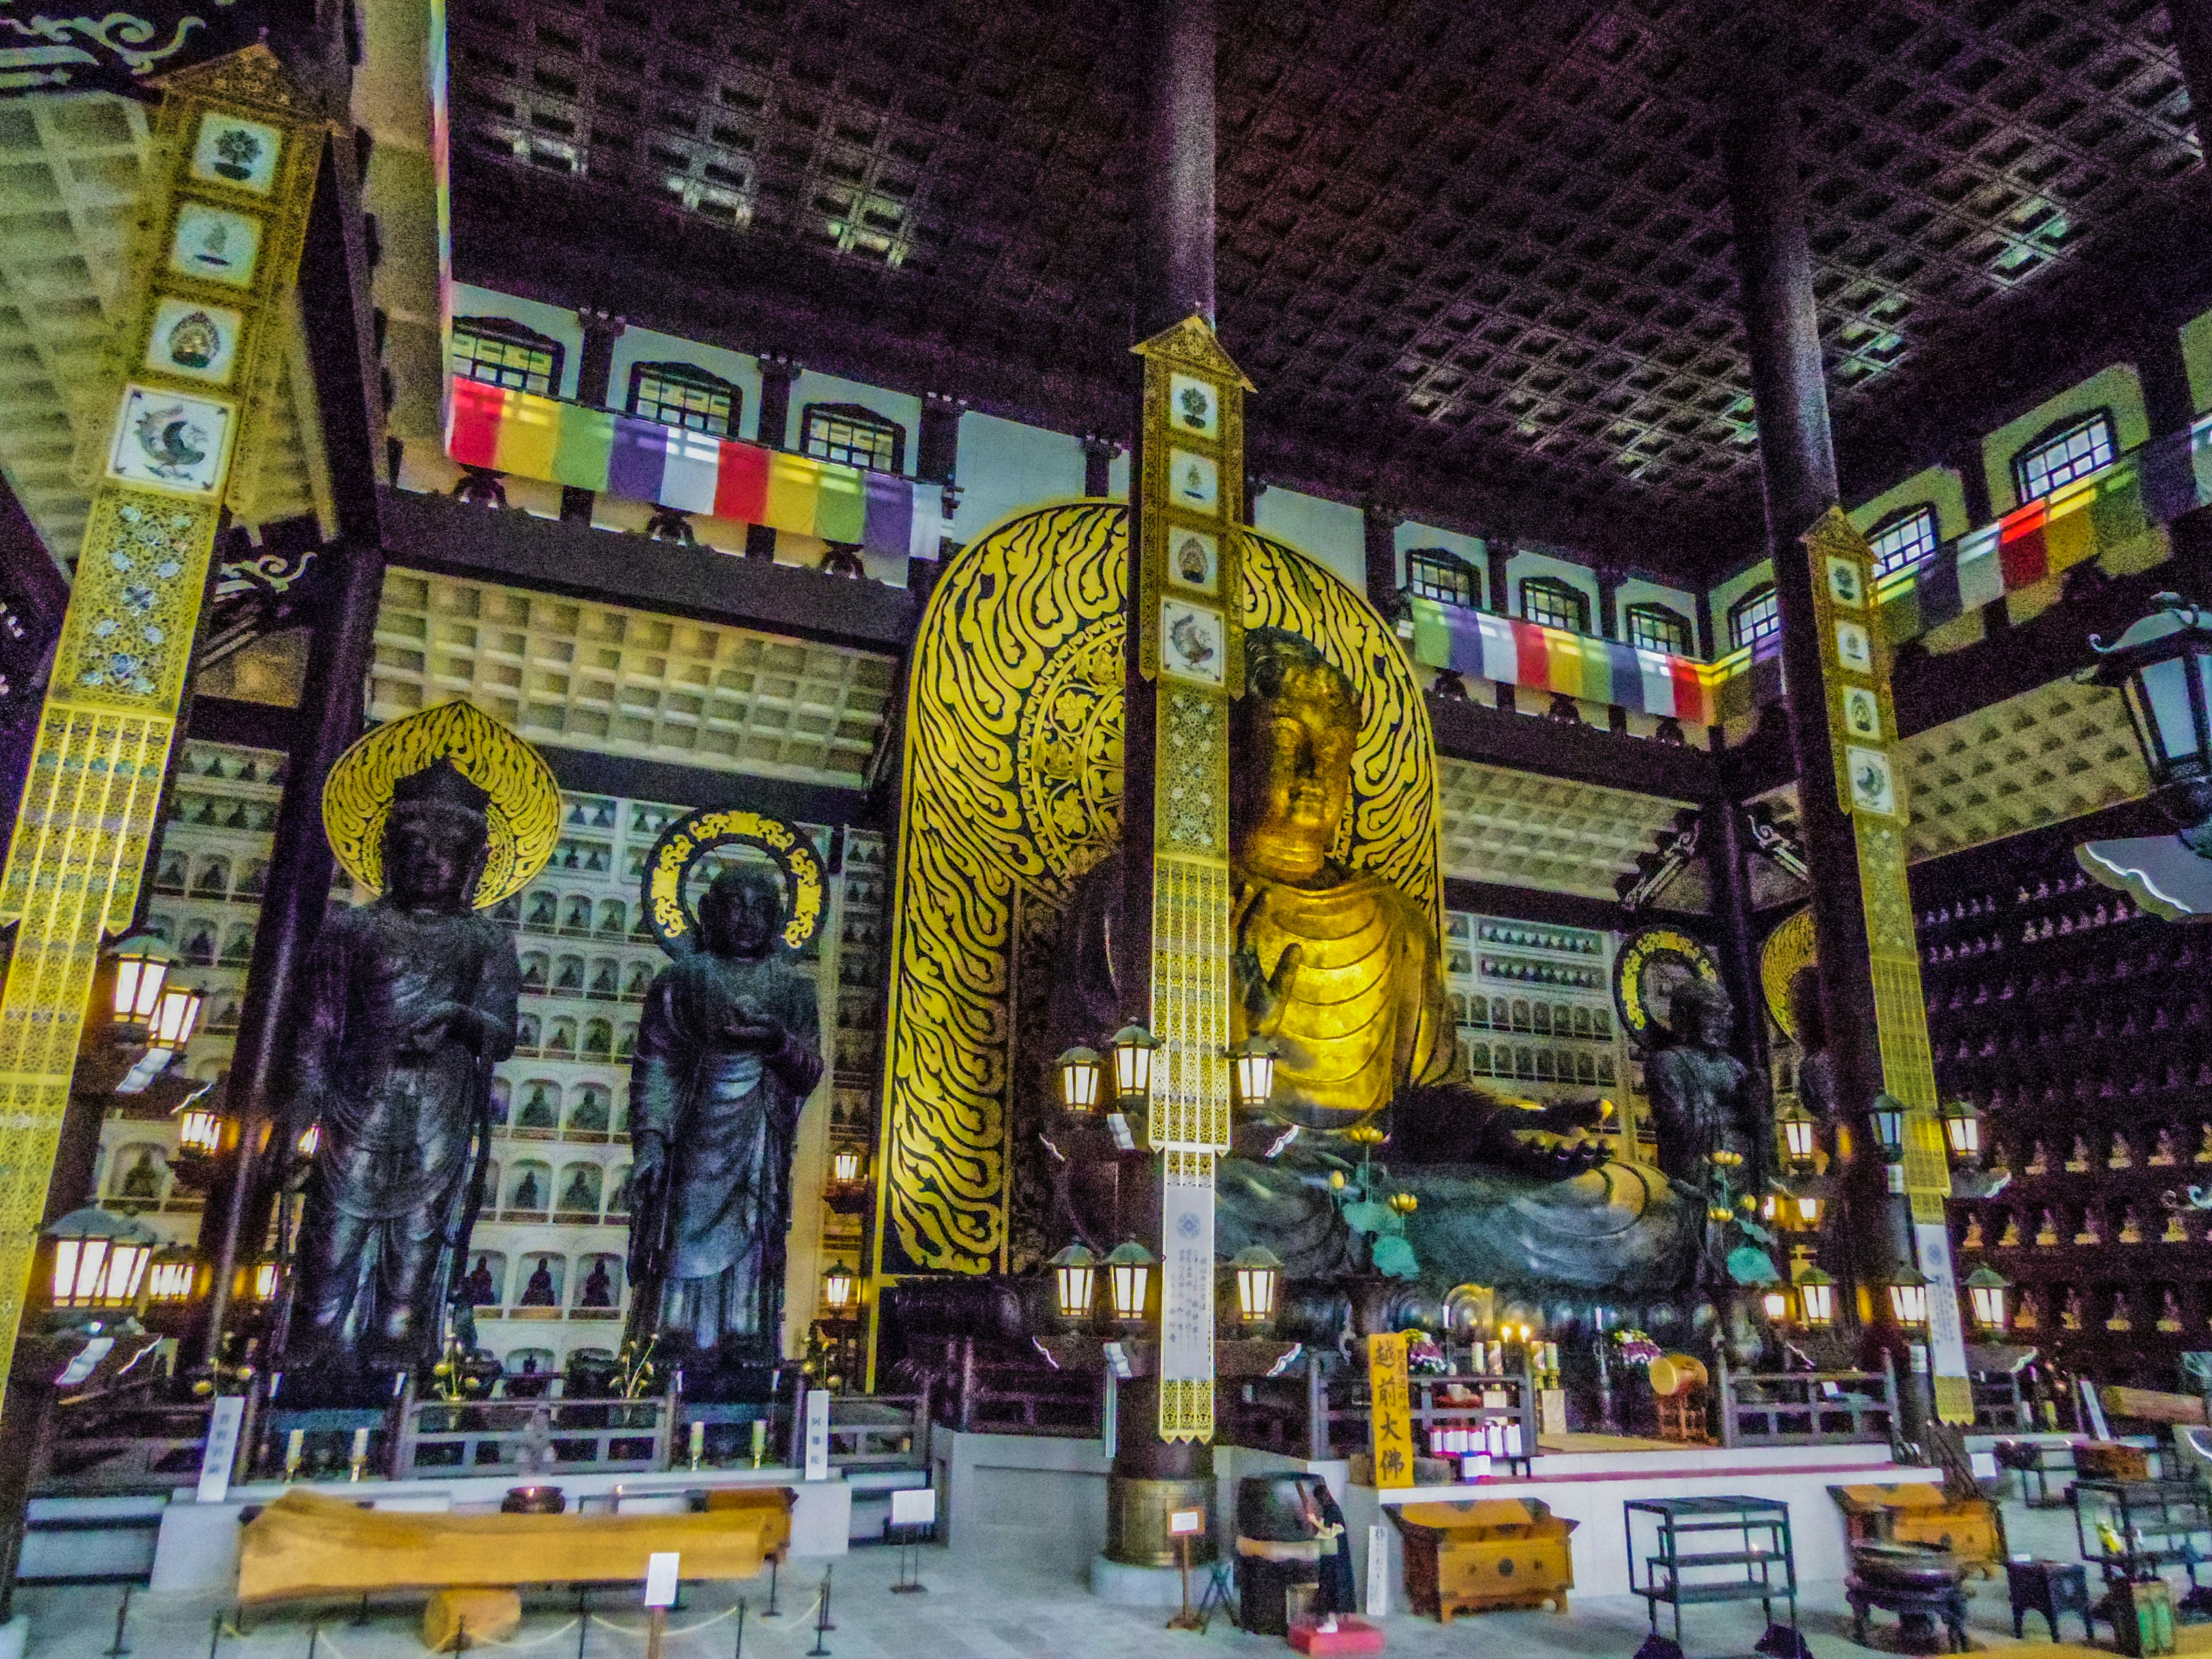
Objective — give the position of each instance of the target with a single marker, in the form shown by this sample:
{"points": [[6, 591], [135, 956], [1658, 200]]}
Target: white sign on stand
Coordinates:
{"points": [[914, 1506], [818, 1434], [660, 1576], [1378, 1570], [223, 1428]]}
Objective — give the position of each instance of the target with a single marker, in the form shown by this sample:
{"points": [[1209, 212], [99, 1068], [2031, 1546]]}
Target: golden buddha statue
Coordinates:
{"points": [[1343, 971]]}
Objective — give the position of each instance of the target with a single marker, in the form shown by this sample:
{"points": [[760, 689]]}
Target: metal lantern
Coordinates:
{"points": [[1129, 1280], [1962, 1131], [176, 1016], [99, 1257], [142, 964], [171, 1277], [1809, 1206], [1801, 1137], [1259, 1274], [845, 1166], [1986, 1290], [311, 1139], [1816, 1299], [1080, 1078], [2163, 666], [1074, 1278], [1776, 1301], [257, 1281], [1908, 1299], [839, 1291], [1132, 1047], [1253, 1062], [199, 1126], [1888, 1115]]}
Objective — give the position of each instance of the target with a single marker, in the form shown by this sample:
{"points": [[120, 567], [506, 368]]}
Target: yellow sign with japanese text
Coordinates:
{"points": [[1392, 1397]]}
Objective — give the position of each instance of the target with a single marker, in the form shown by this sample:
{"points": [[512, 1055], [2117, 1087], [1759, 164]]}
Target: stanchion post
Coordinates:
{"points": [[122, 1617], [772, 1611], [656, 1623], [740, 1652]]}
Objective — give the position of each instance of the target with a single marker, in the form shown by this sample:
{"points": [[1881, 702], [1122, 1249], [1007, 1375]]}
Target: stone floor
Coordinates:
{"points": [[968, 1612]]}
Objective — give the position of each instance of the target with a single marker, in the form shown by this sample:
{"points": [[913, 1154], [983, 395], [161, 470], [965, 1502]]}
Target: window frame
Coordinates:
{"points": [[1919, 512], [1557, 587], [1677, 627], [689, 376], [1766, 594], [1443, 559], [858, 414], [510, 333], [2054, 436]]}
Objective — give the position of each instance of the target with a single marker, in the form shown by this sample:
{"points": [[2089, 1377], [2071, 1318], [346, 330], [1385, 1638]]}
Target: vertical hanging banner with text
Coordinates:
{"points": [[1391, 1404], [1190, 487], [222, 224], [1855, 663]]}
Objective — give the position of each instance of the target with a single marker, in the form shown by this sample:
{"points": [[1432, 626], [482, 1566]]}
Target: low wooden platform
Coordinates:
{"points": [[307, 1545]]}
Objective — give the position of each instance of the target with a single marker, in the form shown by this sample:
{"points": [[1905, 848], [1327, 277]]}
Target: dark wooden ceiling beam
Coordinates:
{"points": [[432, 532], [1577, 754]]}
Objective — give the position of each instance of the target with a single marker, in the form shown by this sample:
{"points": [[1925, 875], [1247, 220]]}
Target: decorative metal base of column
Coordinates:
{"points": [[1137, 1512]]}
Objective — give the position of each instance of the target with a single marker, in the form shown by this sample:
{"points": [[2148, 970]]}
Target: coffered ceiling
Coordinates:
{"points": [[1474, 248]]}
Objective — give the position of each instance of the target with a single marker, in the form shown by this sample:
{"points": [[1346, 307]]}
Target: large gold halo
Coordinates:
{"points": [[1012, 791], [1787, 948], [525, 813]]}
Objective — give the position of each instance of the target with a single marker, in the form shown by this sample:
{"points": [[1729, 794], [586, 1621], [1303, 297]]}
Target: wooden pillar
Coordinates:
{"points": [[771, 429], [1798, 469], [301, 870], [1380, 524], [1722, 835], [1099, 455], [1499, 554], [594, 369], [1174, 269], [2192, 23], [1608, 602]]}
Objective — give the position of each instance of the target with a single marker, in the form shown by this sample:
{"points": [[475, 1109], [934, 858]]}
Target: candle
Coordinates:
{"points": [[698, 1441], [760, 1439], [360, 1454], [294, 1447]]}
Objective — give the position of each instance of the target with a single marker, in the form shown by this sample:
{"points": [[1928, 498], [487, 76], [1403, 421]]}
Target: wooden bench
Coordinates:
{"points": [[306, 1545]]}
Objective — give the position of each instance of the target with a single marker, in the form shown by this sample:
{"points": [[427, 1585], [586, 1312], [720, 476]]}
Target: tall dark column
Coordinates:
{"points": [[594, 369], [1798, 467], [1099, 455], [937, 444], [1499, 554], [1380, 524], [2192, 44], [300, 869], [771, 428], [1175, 271], [1608, 602], [1723, 838]]}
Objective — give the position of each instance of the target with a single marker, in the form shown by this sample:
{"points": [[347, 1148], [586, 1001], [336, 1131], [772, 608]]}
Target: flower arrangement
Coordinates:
{"points": [[1422, 1357], [1635, 1347]]}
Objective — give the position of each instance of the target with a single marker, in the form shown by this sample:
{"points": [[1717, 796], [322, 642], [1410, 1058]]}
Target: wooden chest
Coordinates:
{"points": [[1917, 1512], [1471, 1557]]}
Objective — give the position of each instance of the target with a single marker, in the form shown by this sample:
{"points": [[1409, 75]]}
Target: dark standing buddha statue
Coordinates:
{"points": [[411, 1002], [728, 1052]]}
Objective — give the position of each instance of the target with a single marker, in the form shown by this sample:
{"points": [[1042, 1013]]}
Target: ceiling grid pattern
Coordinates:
{"points": [[1486, 238]]}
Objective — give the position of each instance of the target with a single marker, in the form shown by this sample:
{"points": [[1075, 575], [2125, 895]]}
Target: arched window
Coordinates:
{"points": [[677, 394], [501, 352], [1661, 628], [853, 435], [1756, 616], [2074, 449], [1555, 603], [1903, 538], [1433, 573]]}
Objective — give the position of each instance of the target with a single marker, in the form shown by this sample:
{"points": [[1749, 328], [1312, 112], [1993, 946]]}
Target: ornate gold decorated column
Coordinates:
{"points": [[1189, 664], [1861, 721], [224, 222]]}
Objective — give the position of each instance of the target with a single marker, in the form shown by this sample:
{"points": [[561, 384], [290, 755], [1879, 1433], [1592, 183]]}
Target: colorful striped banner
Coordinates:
{"points": [[2135, 497], [1512, 653], [597, 449]]}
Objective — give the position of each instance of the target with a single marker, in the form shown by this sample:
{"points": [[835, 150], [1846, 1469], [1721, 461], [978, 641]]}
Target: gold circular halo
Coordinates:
{"points": [[1789, 948], [1655, 947], [691, 837], [524, 814]]}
